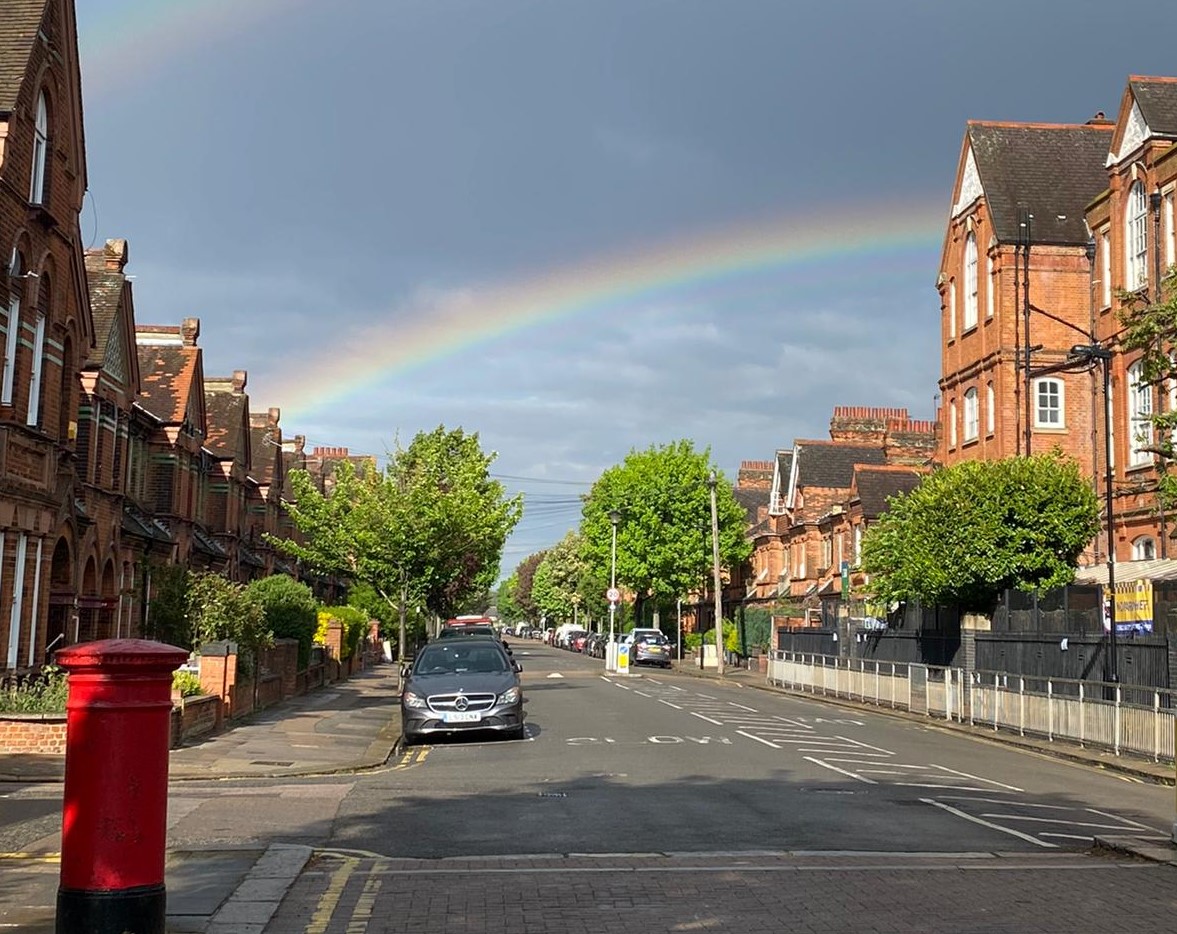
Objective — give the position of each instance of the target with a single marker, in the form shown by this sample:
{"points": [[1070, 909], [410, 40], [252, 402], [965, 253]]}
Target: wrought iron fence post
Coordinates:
{"points": [[1050, 710], [1021, 706], [1116, 728], [1082, 716], [1156, 726]]}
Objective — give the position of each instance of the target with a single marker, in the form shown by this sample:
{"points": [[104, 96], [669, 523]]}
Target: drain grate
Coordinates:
{"points": [[553, 794]]}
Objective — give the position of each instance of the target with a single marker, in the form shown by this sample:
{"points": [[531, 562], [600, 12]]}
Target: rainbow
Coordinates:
{"points": [[430, 328], [128, 41]]}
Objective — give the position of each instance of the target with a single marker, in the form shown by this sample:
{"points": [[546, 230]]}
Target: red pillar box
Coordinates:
{"points": [[116, 786]]}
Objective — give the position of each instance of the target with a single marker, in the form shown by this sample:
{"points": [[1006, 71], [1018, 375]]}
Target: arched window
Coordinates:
{"points": [[1136, 238], [990, 287], [40, 151], [12, 325], [1144, 549], [951, 309], [36, 379], [972, 415], [952, 424], [990, 414], [1139, 415], [970, 281]]}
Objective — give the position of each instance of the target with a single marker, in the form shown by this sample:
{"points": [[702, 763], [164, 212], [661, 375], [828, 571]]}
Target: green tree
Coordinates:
{"points": [[219, 609], [290, 608], [428, 530], [555, 589], [663, 500], [524, 581], [1150, 327], [508, 609], [971, 531], [167, 615]]}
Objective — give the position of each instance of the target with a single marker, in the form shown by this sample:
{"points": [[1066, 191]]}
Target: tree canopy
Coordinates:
{"points": [[662, 499], [556, 588], [429, 528], [971, 531]]}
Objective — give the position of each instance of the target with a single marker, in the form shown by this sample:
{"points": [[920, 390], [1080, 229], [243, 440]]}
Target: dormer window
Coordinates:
{"points": [[970, 281], [1136, 239], [40, 151]]}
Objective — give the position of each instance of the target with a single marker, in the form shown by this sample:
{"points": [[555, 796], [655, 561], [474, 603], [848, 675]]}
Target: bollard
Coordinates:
{"points": [[114, 817]]}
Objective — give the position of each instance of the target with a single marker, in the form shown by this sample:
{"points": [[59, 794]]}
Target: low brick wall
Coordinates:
{"points": [[194, 716], [269, 691], [32, 733], [242, 700], [316, 676]]}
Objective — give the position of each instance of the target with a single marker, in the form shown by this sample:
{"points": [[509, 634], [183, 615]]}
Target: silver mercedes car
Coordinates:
{"points": [[459, 685]]}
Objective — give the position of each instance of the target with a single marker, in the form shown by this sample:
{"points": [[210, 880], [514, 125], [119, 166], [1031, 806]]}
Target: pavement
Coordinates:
{"points": [[346, 727], [355, 726]]}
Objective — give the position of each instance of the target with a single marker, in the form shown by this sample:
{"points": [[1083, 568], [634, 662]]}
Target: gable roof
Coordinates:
{"points": [[1049, 170], [750, 501], [227, 414], [875, 485], [1157, 99], [167, 373], [264, 454], [18, 31], [830, 464]]}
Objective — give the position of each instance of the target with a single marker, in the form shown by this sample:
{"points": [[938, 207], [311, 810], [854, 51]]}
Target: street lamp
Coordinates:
{"points": [[1089, 354], [711, 481], [611, 648]]}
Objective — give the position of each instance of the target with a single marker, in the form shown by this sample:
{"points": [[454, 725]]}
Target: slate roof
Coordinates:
{"points": [[19, 23], [784, 461], [106, 290], [751, 501], [1157, 99], [166, 373], [830, 465], [262, 451], [207, 544], [876, 485], [138, 523], [225, 413], [1052, 171]]}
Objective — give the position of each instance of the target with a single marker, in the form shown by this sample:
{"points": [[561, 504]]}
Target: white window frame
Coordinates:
{"points": [[1050, 386], [972, 415], [952, 309], [16, 616], [13, 335], [1144, 548], [1105, 268], [952, 424], [1170, 232], [857, 544], [1139, 410], [991, 287], [970, 282], [990, 410], [32, 417], [1136, 238], [40, 151]]}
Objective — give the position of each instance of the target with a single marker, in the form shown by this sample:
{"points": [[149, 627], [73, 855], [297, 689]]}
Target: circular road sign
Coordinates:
{"points": [[613, 594]]}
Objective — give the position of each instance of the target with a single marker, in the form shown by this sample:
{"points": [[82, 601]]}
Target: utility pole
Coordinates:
{"points": [[711, 481]]}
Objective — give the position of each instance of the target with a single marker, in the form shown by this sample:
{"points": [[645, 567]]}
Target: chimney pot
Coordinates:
{"points": [[240, 378]]}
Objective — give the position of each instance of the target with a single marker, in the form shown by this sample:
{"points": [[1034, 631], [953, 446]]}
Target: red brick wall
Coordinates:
{"points": [[32, 734]]}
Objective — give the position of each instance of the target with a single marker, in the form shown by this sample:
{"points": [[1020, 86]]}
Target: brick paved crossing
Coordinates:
{"points": [[746, 893]]}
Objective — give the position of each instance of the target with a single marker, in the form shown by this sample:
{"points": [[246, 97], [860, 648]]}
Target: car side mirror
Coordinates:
{"points": [[518, 668], [405, 671]]}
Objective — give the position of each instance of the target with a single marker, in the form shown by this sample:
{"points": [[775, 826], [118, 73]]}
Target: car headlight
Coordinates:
{"points": [[409, 699], [510, 696]]}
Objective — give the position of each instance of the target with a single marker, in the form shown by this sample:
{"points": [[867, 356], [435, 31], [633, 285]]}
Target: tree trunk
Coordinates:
{"points": [[401, 646]]}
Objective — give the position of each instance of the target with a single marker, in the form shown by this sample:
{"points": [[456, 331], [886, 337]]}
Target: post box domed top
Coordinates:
{"points": [[121, 653]]}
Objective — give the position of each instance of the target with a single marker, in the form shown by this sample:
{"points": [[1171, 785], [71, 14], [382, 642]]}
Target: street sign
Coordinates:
{"points": [[613, 594]]}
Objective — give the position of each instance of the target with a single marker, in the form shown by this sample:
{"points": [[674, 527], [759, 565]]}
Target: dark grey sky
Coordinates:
{"points": [[295, 173]]}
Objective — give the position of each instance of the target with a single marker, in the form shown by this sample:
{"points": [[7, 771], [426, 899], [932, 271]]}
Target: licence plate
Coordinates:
{"points": [[654, 649], [461, 716]]}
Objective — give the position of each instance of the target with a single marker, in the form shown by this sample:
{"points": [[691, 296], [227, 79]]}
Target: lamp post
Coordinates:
{"points": [[1089, 354], [711, 481], [611, 648]]}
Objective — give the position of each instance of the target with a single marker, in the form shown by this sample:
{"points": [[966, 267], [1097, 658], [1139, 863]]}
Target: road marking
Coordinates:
{"points": [[863, 745], [1050, 820], [555, 674], [1119, 818], [758, 739], [945, 787], [669, 704], [796, 723], [653, 681], [361, 916], [642, 693], [329, 900], [1021, 804], [875, 771], [708, 696], [708, 719], [742, 707], [834, 768], [977, 778], [1067, 836], [984, 823]]}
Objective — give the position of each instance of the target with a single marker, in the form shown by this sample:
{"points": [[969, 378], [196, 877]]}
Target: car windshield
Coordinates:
{"points": [[652, 640], [453, 632], [455, 659]]}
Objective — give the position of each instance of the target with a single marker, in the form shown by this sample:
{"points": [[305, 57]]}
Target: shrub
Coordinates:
{"points": [[290, 610], [355, 627], [43, 692], [187, 683], [219, 609]]}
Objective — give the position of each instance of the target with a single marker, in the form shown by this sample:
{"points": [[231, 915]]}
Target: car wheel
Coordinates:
{"points": [[517, 733]]}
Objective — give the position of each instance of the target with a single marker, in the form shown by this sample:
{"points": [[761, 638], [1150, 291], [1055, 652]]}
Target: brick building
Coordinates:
{"points": [[1014, 272], [231, 485], [46, 317], [268, 488], [1132, 221]]}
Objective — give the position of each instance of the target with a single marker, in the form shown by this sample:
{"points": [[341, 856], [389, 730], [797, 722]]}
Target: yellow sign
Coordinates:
{"points": [[1134, 601]]}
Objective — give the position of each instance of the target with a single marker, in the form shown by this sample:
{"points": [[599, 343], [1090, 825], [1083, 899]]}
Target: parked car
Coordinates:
{"points": [[651, 649], [457, 685]]}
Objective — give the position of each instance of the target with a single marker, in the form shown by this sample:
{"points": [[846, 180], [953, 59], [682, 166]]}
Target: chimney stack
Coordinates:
{"points": [[190, 331], [240, 377], [115, 255]]}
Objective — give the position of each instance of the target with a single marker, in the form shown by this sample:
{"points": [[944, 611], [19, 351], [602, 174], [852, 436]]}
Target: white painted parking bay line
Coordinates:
{"points": [[1119, 818], [803, 726], [742, 707], [642, 693], [708, 719], [984, 823], [977, 778], [945, 787], [834, 768], [1021, 804], [1068, 836], [1050, 820], [669, 704], [758, 739]]}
